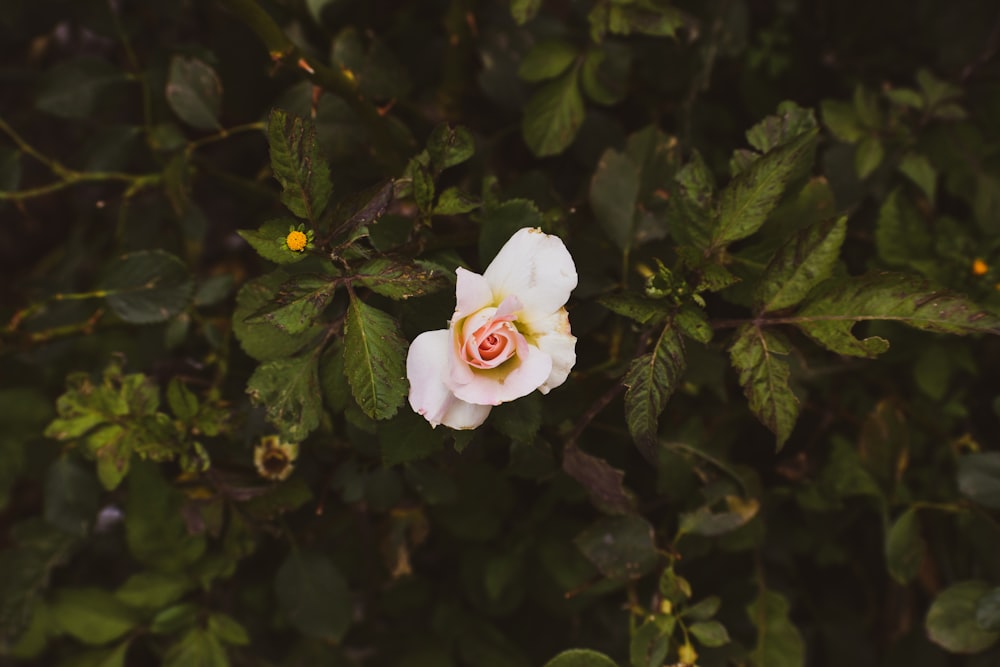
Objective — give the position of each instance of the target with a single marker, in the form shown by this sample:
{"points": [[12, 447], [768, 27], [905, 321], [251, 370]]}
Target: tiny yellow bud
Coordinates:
{"points": [[666, 607], [296, 241], [979, 267], [686, 654]]}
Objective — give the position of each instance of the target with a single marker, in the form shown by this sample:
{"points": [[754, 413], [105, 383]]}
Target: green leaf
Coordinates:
{"points": [[374, 356], [901, 233], [691, 210], [72, 88], [298, 303], [841, 119], [524, 10], [378, 72], [789, 122], [906, 97], [693, 323], [363, 208], [450, 145], [904, 547], [499, 223], [520, 419], [866, 104], [651, 380], [709, 633], [635, 307], [147, 286], [779, 643], [553, 116], [703, 610], [228, 629], [764, 378], [72, 496], [918, 169], [285, 496], [830, 314], [182, 401], [705, 521], [988, 610], [401, 280], [289, 390], [262, 340], [604, 484], [407, 437], [621, 547], [614, 191], [92, 615], [194, 92], [605, 73], [547, 59], [749, 198], [951, 620], [645, 18], [455, 202], [579, 657], [868, 156], [422, 183], [801, 263], [175, 618], [38, 548], [197, 648], [153, 590], [650, 643], [313, 595], [936, 90], [298, 166], [979, 478], [269, 241], [155, 529], [105, 657]]}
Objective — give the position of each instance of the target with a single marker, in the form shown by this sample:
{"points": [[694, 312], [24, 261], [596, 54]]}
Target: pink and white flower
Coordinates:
{"points": [[509, 335]]}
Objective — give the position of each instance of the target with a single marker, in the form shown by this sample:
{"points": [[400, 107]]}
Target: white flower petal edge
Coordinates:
{"points": [[535, 267], [426, 367]]}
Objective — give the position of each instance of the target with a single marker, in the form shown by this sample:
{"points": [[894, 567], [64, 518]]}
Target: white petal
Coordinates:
{"points": [[463, 416], [537, 269], [472, 292], [553, 337], [427, 362]]}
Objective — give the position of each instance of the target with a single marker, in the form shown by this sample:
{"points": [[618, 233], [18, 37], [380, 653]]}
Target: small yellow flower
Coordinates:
{"points": [[686, 654], [274, 459], [979, 267], [298, 239]]}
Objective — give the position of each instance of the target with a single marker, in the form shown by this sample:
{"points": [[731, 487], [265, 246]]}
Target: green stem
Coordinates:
{"points": [[224, 133], [54, 166], [67, 176], [334, 80]]}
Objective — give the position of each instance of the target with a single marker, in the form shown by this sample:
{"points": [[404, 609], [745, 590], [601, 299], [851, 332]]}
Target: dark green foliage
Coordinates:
{"points": [[225, 223]]}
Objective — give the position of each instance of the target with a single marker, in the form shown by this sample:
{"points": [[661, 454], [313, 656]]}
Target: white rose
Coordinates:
{"points": [[509, 335]]}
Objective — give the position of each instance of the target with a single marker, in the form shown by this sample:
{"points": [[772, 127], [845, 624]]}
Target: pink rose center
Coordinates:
{"points": [[491, 344]]}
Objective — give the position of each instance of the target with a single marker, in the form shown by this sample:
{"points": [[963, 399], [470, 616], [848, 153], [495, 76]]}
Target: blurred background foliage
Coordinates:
{"points": [[191, 472]]}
